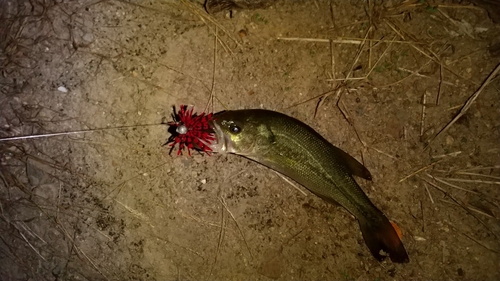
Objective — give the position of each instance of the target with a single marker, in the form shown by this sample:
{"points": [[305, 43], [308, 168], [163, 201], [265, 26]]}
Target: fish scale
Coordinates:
{"points": [[311, 165], [294, 149]]}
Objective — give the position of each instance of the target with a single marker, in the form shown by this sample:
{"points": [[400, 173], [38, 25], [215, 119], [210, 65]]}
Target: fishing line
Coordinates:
{"points": [[76, 132]]}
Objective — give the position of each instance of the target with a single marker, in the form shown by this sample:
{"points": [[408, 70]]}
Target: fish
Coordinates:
{"points": [[296, 150]]}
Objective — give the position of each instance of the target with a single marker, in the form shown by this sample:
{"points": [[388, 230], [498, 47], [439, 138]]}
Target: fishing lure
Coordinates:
{"points": [[190, 131]]}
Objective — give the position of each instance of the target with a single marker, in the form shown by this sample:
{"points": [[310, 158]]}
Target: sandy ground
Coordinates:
{"points": [[378, 81]]}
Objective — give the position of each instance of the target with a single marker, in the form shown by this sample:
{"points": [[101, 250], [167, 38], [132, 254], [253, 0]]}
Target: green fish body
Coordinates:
{"points": [[294, 149]]}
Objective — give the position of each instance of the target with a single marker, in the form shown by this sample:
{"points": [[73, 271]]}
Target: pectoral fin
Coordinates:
{"points": [[355, 168]]}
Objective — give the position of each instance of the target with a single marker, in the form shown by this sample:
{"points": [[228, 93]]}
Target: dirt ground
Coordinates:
{"points": [[377, 79]]}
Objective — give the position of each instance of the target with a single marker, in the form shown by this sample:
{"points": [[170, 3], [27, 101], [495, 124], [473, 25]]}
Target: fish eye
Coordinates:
{"points": [[234, 129]]}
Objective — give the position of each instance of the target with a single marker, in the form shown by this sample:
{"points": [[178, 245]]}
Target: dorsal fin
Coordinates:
{"points": [[355, 168]]}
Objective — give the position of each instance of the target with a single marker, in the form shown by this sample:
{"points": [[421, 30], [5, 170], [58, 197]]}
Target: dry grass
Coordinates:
{"points": [[386, 17], [27, 31]]}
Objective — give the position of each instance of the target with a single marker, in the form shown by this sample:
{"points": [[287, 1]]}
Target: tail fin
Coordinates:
{"points": [[383, 236]]}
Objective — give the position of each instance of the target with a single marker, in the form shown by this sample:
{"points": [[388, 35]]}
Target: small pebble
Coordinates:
{"points": [[242, 33], [449, 140], [418, 238]]}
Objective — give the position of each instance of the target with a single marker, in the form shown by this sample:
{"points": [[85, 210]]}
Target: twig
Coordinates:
{"points": [[222, 43], [458, 203], [456, 24], [323, 98], [473, 181], [31, 246], [424, 76], [347, 79], [31, 232], [478, 175], [350, 121], [80, 250], [333, 59], [341, 40], [467, 105], [406, 77], [12, 253], [470, 208], [380, 58], [440, 86], [474, 240], [358, 54], [208, 17], [318, 40], [102, 233], [422, 118], [452, 154], [429, 193], [382, 152], [219, 243], [370, 50], [332, 14], [419, 170], [313, 98], [189, 216], [58, 200], [460, 6], [481, 168], [465, 56], [442, 180], [432, 57], [212, 90], [136, 213], [371, 68], [331, 42], [162, 238], [223, 201]]}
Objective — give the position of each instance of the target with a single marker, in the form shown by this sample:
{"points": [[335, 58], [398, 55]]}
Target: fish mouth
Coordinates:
{"points": [[222, 142]]}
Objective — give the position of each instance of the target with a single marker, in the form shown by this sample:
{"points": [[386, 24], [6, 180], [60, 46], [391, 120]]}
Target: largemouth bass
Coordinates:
{"points": [[294, 149]]}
